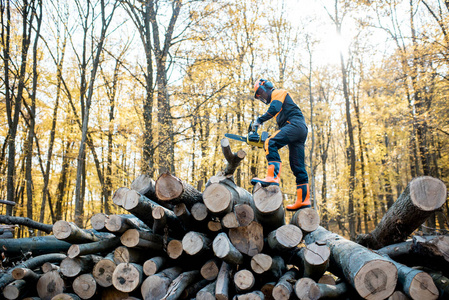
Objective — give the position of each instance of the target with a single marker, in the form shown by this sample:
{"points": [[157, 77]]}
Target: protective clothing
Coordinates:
{"points": [[302, 198], [273, 173]]}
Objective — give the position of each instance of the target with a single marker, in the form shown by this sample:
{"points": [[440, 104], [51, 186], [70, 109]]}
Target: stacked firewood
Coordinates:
{"points": [[227, 243]]}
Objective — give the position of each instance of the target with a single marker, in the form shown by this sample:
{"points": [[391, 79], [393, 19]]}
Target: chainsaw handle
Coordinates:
{"points": [[250, 128]]}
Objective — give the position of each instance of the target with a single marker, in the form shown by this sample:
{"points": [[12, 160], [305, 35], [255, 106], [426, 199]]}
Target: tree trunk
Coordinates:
{"points": [[37, 245], [268, 206], [173, 189], [92, 248], [222, 285], [284, 288], [285, 237], [225, 250]]}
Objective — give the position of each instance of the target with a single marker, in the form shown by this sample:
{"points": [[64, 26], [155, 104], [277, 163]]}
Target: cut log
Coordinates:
{"points": [[440, 281], [248, 239], [222, 284], [277, 268], [233, 159], [199, 212], [210, 269], [173, 189], [49, 285], [225, 250], [174, 249], [254, 295], [207, 293], [153, 265], [145, 185], [15, 289], [160, 220], [284, 288], [67, 296], [268, 207], [155, 287], [214, 226], [121, 223], [285, 237], [32, 263], [69, 232], [398, 295], [306, 289], [26, 274], [180, 283], [307, 219], [244, 214], [72, 267], [26, 222], [261, 263], [230, 220], [98, 222], [373, 276], [244, 281], [140, 206], [191, 291], [327, 279], [267, 290], [422, 196], [112, 293], [119, 196], [316, 260], [129, 255], [328, 291], [127, 277], [47, 267], [182, 212], [85, 286], [220, 198], [37, 245], [103, 270], [134, 238], [194, 243], [92, 248]]}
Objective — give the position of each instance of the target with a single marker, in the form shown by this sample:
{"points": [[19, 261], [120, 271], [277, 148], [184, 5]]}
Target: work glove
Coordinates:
{"points": [[255, 124]]}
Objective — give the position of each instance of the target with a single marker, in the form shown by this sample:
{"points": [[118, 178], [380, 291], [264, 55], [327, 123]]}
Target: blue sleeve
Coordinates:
{"points": [[275, 107]]}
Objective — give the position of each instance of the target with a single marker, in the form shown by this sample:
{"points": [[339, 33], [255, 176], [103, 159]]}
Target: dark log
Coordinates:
{"points": [[194, 243], [26, 274], [164, 217], [111, 293], [233, 159], [72, 267], [37, 245], [160, 220], [69, 232], [307, 219], [268, 207], [173, 189], [284, 287], [127, 277], [32, 263], [49, 285], [207, 293], [222, 284], [285, 237], [26, 222], [422, 196], [180, 283], [225, 250], [248, 239], [134, 238], [307, 289], [8, 202], [103, 270], [153, 265], [85, 286], [328, 291], [129, 255], [156, 286], [221, 197], [244, 281], [210, 269], [267, 290], [119, 196], [191, 291], [15, 289], [182, 212], [373, 276], [92, 248]]}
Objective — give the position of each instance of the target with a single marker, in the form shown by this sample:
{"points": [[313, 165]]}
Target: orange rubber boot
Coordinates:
{"points": [[303, 198], [273, 172]]}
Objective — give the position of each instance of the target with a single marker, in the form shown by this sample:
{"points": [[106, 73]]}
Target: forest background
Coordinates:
{"points": [[97, 92]]}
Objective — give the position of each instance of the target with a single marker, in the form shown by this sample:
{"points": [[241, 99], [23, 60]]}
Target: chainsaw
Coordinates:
{"points": [[253, 138]]}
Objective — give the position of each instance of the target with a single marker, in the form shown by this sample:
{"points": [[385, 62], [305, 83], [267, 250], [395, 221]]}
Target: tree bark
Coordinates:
{"points": [[422, 196], [284, 288], [222, 285], [233, 159], [92, 248], [37, 245], [180, 283]]}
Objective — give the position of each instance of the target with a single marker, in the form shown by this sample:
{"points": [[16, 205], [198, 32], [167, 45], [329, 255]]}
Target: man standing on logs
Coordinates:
{"points": [[292, 132]]}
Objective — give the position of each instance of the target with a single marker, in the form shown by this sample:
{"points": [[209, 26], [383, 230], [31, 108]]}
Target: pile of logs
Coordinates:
{"points": [[227, 243]]}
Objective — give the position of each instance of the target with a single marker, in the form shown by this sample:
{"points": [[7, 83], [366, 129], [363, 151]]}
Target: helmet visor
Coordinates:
{"points": [[261, 94]]}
